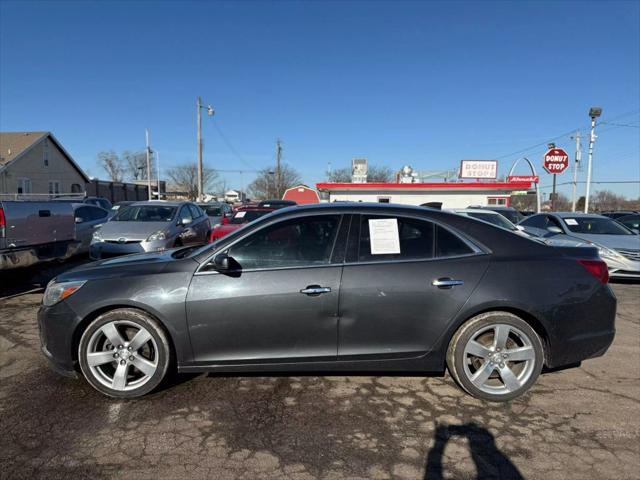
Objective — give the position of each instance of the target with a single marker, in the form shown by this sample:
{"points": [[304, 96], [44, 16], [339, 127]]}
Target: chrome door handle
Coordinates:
{"points": [[315, 290], [446, 282]]}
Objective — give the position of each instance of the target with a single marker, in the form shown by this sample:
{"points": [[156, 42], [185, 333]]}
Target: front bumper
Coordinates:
{"points": [[108, 249], [623, 268], [57, 324]]}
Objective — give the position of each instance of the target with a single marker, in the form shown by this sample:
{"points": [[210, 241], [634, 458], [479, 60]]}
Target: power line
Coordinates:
{"points": [[230, 146]]}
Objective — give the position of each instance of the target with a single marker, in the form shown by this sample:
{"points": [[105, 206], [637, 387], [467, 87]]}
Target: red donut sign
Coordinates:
{"points": [[556, 160]]}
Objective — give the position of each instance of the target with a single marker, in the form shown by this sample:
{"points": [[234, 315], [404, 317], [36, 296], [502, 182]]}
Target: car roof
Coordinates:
{"points": [[163, 203], [474, 210]]}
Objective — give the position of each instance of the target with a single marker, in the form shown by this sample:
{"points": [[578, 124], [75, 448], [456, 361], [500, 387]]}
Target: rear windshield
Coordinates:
{"points": [[498, 220], [212, 210], [596, 226], [511, 215], [247, 216], [145, 213]]}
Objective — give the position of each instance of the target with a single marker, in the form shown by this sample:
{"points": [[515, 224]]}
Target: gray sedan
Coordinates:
{"points": [[335, 287], [618, 245], [150, 227]]}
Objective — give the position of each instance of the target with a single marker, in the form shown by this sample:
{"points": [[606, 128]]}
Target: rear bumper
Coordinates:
{"points": [[25, 257]]}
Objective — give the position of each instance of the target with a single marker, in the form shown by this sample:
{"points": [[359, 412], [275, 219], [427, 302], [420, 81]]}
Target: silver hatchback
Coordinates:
{"points": [[150, 227]]}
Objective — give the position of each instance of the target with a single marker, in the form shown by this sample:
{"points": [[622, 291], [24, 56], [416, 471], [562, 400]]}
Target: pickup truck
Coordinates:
{"points": [[32, 232]]}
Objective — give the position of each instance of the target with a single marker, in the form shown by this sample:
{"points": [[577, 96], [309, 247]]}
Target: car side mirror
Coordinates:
{"points": [[79, 219], [185, 221], [221, 262], [554, 229], [520, 227]]}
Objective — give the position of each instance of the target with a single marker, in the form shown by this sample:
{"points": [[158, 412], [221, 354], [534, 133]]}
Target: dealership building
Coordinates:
{"points": [[450, 194]]}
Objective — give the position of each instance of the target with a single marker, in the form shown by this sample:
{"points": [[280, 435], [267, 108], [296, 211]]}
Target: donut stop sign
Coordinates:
{"points": [[556, 160]]}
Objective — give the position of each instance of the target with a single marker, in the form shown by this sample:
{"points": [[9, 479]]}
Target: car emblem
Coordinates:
{"points": [[122, 240]]}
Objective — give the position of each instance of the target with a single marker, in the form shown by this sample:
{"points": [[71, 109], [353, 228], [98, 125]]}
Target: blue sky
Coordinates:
{"points": [[419, 83]]}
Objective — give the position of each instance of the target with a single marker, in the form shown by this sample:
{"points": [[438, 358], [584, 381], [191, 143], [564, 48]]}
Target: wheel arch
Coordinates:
{"points": [[86, 321]]}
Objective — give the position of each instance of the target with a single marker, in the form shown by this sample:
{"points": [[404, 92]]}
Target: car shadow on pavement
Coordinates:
{"points": [[490, 462]]}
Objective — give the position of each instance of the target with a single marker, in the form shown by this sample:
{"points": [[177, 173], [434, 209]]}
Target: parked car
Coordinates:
{"points": [[618, 246], [345, 286], [275, 204], [490, 216], [87, 218], [117, 206], [218, 212], [149, 227], [97, 201], [511, 214], [619, 213], [34, 232], [241, 217], [631, 221]]}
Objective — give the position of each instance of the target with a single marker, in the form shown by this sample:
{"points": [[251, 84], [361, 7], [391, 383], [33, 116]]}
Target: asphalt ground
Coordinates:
{"points": [[582, 423]]}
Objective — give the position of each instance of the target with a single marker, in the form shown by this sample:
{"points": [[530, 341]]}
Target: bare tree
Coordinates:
{"points": [[341, 175], [604, 200], [264, 186], [374, 174], [136, 164], [112, 164], [184, 179]]}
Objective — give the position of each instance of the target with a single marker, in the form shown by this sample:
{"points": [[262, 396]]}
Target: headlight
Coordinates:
{"points": [[159, 235], [605, 252], [96, 237], [57, 292]]}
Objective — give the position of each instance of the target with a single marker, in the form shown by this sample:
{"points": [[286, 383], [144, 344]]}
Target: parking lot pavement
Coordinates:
{"points": [[580, 423]]}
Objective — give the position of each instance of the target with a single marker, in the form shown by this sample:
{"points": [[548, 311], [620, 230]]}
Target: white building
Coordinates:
{"points": [[232, 196], [450, 194]]}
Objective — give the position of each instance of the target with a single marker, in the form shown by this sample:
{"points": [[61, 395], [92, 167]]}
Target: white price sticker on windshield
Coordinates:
{"points": [[571, 221], [383, 236], [240, 214]]}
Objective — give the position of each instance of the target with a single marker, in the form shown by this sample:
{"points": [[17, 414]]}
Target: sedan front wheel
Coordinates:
{"points": [[124, 353], [495, 356]]}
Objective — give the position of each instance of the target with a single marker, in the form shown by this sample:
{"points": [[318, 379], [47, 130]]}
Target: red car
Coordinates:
{"points": [[241, 217]]}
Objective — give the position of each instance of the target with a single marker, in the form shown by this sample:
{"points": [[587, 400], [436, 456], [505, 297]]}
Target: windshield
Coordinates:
{"points": [[145, 213], [498, 219], [596, 226], [212, 210], [247, 216]]}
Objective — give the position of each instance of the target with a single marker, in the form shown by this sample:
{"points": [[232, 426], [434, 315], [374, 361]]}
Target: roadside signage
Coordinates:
{"points": [[519, 192], [523, 178], [556, 160], [478, 169]]}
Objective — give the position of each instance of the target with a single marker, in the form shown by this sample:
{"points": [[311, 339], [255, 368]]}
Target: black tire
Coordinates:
{"points": [[457, 359], [127, 320]]}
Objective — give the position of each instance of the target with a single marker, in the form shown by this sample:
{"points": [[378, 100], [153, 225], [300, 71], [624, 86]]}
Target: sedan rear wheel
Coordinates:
{"points": [[496, 356], [124, 353]]}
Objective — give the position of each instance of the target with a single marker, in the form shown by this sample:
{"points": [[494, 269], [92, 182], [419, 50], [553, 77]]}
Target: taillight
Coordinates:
{"points": [[2, 222], [597, 268]]}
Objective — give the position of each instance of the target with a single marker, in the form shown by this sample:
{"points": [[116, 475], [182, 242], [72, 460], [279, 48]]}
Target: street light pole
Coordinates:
{"points": [[158, 172], [146, 134], [199, 134], [594, 113], [575, 171]]}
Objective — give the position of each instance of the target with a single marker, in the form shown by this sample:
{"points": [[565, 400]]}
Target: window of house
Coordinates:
{"points": [[45, 152], [76, 188], [292, 243], [24, 186], [54, 187]]}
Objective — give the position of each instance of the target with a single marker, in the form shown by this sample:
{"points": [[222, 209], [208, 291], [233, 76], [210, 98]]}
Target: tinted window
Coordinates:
{"points": [[450, 245], [495, 219], [536, 221], [212, 210], [84, 213], [184, 213], [97, 213], [297, 242], [195, 211], [630, 221], [416, 240], [596, 226], [145, 213]]}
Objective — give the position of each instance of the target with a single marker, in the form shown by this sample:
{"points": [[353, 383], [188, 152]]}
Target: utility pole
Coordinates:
{"points": [[158, 172], [594, 113], [210, 112], [278, 179], [575, 170], [146, 134], [198, 106]]}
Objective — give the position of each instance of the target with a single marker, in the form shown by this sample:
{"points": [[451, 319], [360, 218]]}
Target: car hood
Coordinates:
{"points": [[125, 266], [616, 242], [131, 230]]}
